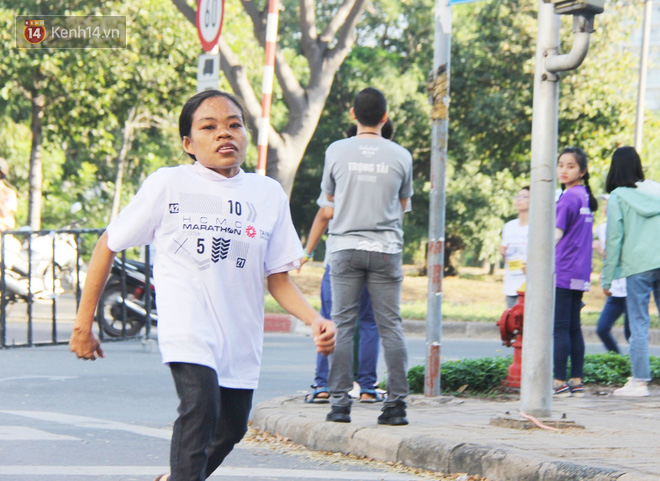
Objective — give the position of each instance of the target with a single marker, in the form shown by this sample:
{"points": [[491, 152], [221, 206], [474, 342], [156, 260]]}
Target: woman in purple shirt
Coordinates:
{"points": [[573, 237]]}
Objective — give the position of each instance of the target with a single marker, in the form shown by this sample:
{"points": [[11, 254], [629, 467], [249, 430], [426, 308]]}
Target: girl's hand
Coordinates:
{"points": [[303, 261], [85, 344]]}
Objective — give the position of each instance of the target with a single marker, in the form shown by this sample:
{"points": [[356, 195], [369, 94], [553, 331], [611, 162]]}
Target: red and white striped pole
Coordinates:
{"points": [[267, 84]]}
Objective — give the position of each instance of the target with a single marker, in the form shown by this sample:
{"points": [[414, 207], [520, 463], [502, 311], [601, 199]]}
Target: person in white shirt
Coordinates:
{"points": [[8, 199], [514, 248], [615, 305], [218, 233]]}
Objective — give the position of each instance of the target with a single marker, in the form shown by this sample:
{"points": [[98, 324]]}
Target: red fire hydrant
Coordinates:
{"points": [[511, 331]]}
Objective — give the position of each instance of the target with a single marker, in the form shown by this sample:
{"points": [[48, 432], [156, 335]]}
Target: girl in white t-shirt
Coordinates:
{"points": [[218, 233], [514, 248], [615, 305]]}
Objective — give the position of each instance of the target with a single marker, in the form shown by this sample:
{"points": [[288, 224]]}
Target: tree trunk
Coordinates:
{"points": [[126, 143], [37, 101], [305, 103]]}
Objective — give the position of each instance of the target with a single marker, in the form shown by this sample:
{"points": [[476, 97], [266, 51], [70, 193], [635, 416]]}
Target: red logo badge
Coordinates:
{"points": [[34, 31], [251, 232]]}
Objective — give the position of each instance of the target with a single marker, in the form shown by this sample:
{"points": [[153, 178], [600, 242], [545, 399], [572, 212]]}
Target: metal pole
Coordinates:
{"points": [[643, 68], [439, 90], [267, 85], [536, 382]]}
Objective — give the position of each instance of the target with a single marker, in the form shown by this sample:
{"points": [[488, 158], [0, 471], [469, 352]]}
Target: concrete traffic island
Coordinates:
{"points": [[618, 441]]}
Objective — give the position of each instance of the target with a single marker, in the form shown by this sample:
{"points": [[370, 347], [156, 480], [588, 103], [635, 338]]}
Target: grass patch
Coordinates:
{"points": [[272, 307], [472, 296], [416, 310]]}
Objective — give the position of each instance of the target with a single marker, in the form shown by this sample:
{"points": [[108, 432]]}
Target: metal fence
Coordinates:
{"points": [[41, 278]]}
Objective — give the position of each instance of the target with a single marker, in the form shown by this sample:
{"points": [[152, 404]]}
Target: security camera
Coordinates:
{"points": [[571, 7]]}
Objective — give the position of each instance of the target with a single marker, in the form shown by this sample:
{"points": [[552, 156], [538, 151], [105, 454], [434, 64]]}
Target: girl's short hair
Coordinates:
{"points": [[625, 169], [193, 103]]}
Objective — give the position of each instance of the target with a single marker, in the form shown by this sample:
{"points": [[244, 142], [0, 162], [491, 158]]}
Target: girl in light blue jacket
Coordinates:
{"points": [[633, 230]]}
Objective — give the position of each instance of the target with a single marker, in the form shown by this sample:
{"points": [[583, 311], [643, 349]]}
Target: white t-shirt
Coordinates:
{"points": [[216, 238], [514, 237], [618, 287]]}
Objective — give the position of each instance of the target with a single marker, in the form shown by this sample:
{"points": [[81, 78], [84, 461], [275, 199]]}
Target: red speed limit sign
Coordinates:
{"points": [[210, 14]]}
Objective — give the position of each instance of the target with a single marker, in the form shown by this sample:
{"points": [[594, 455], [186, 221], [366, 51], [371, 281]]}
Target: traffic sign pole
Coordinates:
{"points": [[267, 85]]}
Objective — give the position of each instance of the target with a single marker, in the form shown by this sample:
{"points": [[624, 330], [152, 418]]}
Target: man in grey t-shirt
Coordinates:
{"points": [[369, 179]]}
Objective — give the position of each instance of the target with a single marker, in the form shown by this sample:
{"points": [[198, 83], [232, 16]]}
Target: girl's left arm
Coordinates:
{"points": [[287, 294]]}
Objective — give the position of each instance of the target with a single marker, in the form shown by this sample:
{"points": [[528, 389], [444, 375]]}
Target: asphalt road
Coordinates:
{"points": [[66, 419], [63, 419]]}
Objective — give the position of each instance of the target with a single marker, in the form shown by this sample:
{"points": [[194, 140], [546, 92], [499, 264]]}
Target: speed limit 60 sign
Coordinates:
{"points": [[210, 14]]}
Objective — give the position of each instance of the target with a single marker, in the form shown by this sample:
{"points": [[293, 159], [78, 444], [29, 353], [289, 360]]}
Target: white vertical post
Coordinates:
{"points": [[536, 381]]}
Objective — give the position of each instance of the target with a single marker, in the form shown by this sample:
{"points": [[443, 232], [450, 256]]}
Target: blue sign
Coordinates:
{"points": [[455, 2]]}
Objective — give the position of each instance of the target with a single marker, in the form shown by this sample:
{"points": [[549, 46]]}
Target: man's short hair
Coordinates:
{"points": [[370, 106]]}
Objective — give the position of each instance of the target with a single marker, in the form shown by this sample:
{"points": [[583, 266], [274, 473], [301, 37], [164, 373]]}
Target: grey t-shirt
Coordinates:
{"points": [[367, 177]]}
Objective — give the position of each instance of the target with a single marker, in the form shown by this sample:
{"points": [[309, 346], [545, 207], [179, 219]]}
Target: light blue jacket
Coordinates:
{"points": [[633, 231]]}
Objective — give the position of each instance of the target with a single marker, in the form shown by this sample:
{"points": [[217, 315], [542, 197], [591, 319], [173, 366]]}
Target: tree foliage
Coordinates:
{"points": [[313, 43], [492, 75], [105, 111], [109, 116]]}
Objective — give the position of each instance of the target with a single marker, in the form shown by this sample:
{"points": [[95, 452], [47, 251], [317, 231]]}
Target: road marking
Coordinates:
{"points": [[14, 433], [93, 423], [50, 378], [233, 472], [20, 433]]}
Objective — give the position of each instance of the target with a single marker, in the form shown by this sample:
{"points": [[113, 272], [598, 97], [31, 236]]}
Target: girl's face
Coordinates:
{"points": [[218, 138], [568, 171]]}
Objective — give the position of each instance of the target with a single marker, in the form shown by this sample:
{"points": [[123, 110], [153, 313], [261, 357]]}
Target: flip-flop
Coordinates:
{"points": [[377, 397], [314, 398]]}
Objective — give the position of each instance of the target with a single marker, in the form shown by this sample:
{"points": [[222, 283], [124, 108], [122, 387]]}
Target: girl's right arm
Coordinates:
{"points": [[84, 342], [319, 226]]}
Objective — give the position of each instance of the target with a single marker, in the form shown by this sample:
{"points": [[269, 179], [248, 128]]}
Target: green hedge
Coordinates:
{"points": [[485, 375]]}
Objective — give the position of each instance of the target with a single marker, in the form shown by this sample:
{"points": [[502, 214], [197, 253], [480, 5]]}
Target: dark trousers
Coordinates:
{"points": [[614, 307], [568, 333], [212, 419]]}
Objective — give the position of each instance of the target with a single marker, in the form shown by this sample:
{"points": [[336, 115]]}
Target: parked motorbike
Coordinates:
{"points": [[54, 261], [62, 259], [126, 301]]}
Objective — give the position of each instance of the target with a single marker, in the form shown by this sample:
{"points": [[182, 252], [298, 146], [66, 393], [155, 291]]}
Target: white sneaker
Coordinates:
{"points": [[633, 388], [355, 392]]}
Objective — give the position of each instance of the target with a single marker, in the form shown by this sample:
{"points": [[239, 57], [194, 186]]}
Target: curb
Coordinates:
{"points": [[279, 323], [384, 443]]}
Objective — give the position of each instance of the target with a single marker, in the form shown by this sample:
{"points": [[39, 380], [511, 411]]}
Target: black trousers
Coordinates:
{"points": [[212, 419]]}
